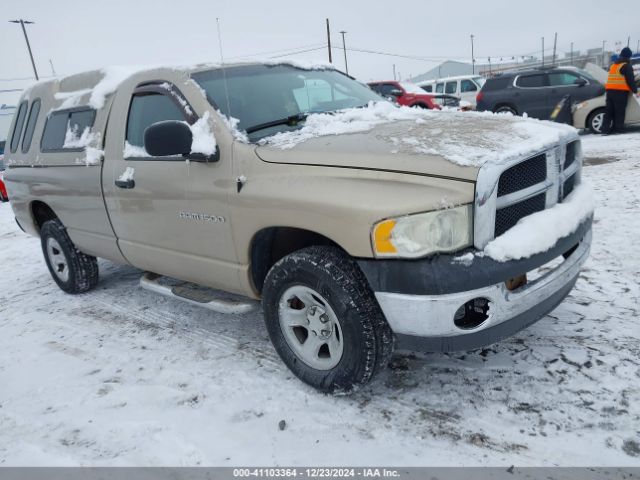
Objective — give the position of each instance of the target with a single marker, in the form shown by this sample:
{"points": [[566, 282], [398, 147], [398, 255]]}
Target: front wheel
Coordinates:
{"points": [[324, 321], [595, 122], [72, 270]]}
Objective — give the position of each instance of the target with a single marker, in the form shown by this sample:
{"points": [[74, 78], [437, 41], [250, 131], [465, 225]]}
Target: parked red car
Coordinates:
{"points": [[405, 93], [4, 197]]}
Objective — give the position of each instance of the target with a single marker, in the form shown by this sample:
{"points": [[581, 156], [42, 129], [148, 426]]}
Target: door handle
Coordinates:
{"points": [[125, 184]]}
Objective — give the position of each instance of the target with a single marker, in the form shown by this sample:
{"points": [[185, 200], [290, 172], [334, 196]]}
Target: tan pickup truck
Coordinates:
{"points": [[362, 227]]}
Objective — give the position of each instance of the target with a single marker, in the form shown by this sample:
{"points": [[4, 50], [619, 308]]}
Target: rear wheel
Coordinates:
{"points": [[324, 321], [595, 122], [72, 270], [506, 109]]}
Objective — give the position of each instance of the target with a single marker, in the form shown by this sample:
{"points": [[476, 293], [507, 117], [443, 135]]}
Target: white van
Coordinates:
{"points": [[465, 87]]}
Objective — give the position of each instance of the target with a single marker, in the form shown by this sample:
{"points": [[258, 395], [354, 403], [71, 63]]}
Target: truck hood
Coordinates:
{"points": [[443, 144]]}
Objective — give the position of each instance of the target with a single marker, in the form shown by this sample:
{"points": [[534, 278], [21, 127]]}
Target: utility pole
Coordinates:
{"points": [[329, 41], [24, 30], [571, 54], [603, 44], [344, 48], [555, 41], [473, 59], [628, 40], [638, 47], [53, 70], [543, 51], [394, 72]]}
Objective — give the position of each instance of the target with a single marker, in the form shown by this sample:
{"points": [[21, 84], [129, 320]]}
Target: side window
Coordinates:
{"points": [[531, 81], [385, 89], [451, 87], [17, 130], [428, 88], [557, 79], [65, 127], [145, 110], [468, 86], [439, 87], [31, 125]]}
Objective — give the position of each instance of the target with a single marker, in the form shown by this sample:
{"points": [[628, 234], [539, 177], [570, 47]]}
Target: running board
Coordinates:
{"points": [[197, 295]]}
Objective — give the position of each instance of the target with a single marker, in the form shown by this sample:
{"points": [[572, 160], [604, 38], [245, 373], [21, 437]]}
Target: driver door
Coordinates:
{"points": [[161, 207]]}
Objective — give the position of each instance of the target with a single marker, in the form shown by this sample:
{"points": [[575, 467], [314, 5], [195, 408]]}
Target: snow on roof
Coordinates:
{"points": [[465, 138], [99, 84]]}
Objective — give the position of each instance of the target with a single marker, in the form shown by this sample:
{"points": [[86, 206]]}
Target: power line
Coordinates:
{"points": [[300, 51], [278, 51]]}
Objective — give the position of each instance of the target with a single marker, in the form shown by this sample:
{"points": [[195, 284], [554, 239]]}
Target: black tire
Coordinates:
{"points": [[366, 337], [81, 269], [592, 124], [505, 109]]}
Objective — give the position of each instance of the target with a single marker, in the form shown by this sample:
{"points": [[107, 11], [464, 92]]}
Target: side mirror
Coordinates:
{"points": [[167, 138], [396, 92], [581, 82]]}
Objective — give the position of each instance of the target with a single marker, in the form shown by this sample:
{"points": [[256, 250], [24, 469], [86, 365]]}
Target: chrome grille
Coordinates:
{"points": [[505, 193], [568, 186], [570, 155], [507, 217], [523, 175]]}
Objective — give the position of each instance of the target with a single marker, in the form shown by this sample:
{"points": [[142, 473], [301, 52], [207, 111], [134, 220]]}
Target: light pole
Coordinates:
{"points": [[344, 48], [571, 53], [473, 60], [24, 30]]}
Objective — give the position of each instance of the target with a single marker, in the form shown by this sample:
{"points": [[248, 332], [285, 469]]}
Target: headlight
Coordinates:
{"points": [[424, 233]]}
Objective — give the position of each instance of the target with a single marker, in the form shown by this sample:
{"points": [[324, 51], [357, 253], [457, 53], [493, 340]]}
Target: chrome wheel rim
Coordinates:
{"points": [[310, 327], [597, 122], [57, 260]]}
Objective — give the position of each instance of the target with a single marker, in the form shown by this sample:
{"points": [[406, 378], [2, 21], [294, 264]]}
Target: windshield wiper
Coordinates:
{"points": [[291, 121]]}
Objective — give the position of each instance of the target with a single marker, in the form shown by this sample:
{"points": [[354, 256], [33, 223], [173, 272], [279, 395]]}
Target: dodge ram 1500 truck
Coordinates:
{"points": [[361, 226]]}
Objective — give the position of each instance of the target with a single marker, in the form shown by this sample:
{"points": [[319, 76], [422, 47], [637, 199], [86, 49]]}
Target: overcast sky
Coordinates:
{"points": [[81, 35]]}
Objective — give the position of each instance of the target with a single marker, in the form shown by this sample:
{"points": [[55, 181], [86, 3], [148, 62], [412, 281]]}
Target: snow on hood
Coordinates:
{"points": [[465, 138]]}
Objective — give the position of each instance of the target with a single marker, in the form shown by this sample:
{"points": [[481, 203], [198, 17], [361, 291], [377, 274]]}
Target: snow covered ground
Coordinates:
{"points": [[120, 376]]}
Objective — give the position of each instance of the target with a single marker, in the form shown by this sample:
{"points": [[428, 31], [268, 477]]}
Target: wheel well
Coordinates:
{"points": [[41, 212], [271, 244], [594, 112]]}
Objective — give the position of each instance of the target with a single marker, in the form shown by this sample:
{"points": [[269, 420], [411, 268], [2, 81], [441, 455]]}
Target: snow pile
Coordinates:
{"points": [[127, 175], [169, 88], [71, 99], [232, 125], [133, 151], [540, 231], [204, 141], [301, 64], [465, 138], [88, 140], [113, 77]]}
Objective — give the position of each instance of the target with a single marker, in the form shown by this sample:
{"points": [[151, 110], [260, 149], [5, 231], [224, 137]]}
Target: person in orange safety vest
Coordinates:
{"points": [[620, 84]]}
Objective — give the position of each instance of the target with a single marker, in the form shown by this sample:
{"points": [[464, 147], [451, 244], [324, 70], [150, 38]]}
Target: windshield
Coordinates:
{"points": [[411, 88], [259, 94], [480, 81]]}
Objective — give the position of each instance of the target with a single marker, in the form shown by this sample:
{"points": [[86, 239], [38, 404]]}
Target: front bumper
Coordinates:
{"points": [[420, 305]]}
